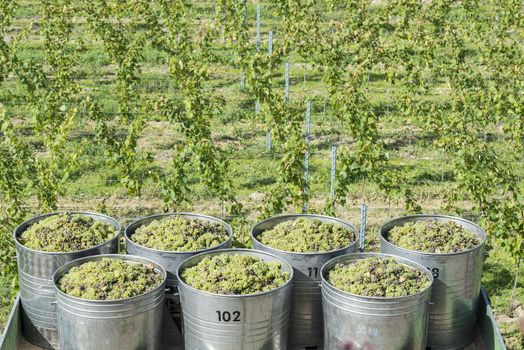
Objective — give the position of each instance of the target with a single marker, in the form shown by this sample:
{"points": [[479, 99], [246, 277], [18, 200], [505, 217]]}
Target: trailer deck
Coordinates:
{"points": [[487, 336]]}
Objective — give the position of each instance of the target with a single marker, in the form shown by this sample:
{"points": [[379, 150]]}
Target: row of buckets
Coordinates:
{"points": [[306, 313]]}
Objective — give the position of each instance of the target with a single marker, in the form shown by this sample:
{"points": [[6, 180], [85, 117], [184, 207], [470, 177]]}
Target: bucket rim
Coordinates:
{"points": [[234, 251], [137, 223], [345, 223], [21, 228], [359, 256], [413, 218], [130, 258]]}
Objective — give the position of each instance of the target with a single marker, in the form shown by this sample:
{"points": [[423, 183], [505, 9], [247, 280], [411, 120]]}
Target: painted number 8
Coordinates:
{"points": [[434, 271]]}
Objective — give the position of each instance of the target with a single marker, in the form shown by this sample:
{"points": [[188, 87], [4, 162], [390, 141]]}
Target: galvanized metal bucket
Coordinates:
{"points": [[457, 283], [235, 322], [171, 260], [123, 324], [35, 271], [306, 327], [360, 322]]}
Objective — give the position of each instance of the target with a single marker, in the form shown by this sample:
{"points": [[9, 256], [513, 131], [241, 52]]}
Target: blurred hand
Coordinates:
{"points": [[352, 345]]}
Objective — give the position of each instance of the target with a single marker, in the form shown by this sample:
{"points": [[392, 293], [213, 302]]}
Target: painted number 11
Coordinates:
{"points": [[313, 271]]}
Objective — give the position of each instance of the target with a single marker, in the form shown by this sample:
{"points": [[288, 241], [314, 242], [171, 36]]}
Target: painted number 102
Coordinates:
{"points": [[226, 316]]}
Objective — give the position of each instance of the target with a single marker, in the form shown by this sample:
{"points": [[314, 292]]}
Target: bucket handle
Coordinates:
{"points": [[172, 290]]}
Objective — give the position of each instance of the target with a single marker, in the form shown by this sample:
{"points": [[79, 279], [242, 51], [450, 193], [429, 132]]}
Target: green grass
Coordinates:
{"points": [[5, 300], [499, 278]]}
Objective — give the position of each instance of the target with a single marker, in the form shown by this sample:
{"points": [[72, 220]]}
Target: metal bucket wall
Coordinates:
{"points": [[170, 260], [133, 323], [235, 322], [306, 327], [456, 289], [359, 322], [35, 272]]}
